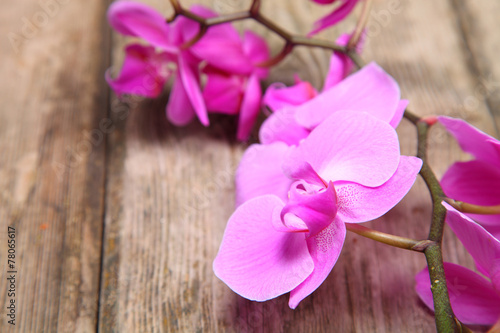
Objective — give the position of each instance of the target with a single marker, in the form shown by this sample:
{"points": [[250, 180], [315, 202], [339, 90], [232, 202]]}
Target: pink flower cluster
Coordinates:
{"points": [[229, 62], [335, 161]]}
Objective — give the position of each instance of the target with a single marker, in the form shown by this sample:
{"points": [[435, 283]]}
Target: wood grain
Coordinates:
{"points": [[89, 180], [369, 290], [52, 173]]}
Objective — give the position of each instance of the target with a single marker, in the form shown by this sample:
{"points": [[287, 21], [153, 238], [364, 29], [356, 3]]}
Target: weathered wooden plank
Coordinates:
{"points": [[170, 192], [477, 21], [52, 165]]}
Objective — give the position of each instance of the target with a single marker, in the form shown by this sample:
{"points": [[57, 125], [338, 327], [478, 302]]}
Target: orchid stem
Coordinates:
{"points": [[443, 313], [197, 37], [228, 18], [392, 240], [255, 14], [445, 319], [360, 26], [176, 5], [276, 59], [465, 207]]}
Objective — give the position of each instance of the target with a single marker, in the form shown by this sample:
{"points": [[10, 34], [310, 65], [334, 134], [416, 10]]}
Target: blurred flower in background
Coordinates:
{"points": [[337, 15], [229, 62]]}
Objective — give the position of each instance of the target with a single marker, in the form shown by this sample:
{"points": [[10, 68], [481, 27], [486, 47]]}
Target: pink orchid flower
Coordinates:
{"points": [[138, 20], [477, 181], [370, 90], [233, 84], [337, 15], [348, 170], [144, 72], [475, 299]]}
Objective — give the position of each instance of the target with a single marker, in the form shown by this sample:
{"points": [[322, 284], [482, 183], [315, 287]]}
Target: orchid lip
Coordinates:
{"points": [[310, 207]]}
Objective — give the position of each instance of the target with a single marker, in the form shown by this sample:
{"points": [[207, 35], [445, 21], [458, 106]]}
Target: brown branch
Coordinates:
{"points": [[466, 207], [360, 26], [254, 13], [392, 240], [197, 37], [277, 59]]}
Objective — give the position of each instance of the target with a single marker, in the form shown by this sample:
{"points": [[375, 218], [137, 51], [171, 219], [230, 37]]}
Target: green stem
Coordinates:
{"points": [[360, 26], [466, 207], [445, 320], [392, 240], [277, 59]]}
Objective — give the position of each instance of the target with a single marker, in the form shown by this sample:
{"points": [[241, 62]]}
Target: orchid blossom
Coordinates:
{"points": [[478, 181], [233, 84], [475, 299], [347, 170], [337, 15], [138, 20], [144, 72], [370, 90]]}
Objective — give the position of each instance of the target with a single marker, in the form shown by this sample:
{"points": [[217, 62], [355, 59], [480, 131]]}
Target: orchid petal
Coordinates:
{"points": [[223, 92], [143, 72], [357, 203], [334, 17], [282, 126], [324, 2], [359, 148], [325, 250], [317, 208], [483, 247], [301, 170], [227, 42], [494, 230], [473, 298], [250, 107], [191, 85], [290, 223], [257, 51], [139, 20], [473, 141], [340, 64], [234, 60], [180, 111], [398, 115], [260, 173], [370, 89], [278, 97], [474, 182], [256, 261]]}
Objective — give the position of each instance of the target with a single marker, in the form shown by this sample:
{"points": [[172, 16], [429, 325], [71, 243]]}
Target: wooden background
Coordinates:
{"points": [[119, 215]]}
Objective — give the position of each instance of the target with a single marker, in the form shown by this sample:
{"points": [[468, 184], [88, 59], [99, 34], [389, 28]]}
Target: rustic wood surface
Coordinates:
{"points": [[118, 214]]}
